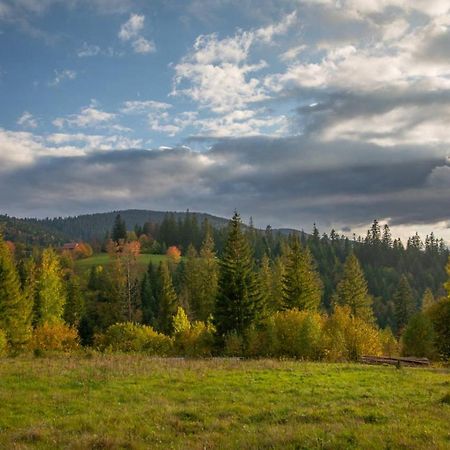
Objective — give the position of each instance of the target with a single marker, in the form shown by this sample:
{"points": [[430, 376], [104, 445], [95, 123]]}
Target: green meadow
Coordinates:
{"points": [[103, 259], [97, 401]]}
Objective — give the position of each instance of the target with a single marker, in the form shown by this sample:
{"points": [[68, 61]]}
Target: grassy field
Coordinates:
{"points": [[135, 402], [102, 259]]}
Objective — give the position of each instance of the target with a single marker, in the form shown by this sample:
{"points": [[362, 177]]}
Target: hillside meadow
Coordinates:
{"points": [[103, 259], [100, 401]]}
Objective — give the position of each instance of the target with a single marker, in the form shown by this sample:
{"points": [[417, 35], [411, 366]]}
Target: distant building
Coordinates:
{"points": [[71, 246]]}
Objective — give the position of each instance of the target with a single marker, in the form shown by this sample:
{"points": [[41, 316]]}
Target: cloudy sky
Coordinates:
{"points": [[292, 111]]}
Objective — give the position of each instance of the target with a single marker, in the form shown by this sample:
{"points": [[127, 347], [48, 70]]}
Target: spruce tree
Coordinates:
{"points": [[265, 283], [238, 299], [119, 231], [167, 299], [352, 290], [302, 288], [149, 296], [15, 308], [200, 280], [75, 305], [428, 299], [404, 303], [51, 296]]}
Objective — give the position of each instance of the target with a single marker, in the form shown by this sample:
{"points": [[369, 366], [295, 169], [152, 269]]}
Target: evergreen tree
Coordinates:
{"points": [[51, 293], [75, 306], [302, 288], [119, 231], [149, 296], [167, 299], [404, 303], [15, 308], [428, 299], [265, 283], [238, 299], [352, 290]]}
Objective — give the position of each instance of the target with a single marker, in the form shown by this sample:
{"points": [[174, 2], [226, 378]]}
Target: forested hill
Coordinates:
{"points": [[87, 227]]}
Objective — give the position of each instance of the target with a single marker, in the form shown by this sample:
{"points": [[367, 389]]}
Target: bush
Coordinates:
{"points": [[192, 339], [418, 337], [54, 337], [197, 340], [347, 338], [133, 337], [233, 345], [294, 333], [389, 344], [3, 343]]}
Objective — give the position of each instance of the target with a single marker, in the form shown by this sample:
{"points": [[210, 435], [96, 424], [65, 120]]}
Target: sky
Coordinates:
{"points": [[294, 112]]}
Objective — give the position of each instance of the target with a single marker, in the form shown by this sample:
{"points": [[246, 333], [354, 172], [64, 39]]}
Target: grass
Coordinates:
{"points": [[103, 259], [136, 402]]}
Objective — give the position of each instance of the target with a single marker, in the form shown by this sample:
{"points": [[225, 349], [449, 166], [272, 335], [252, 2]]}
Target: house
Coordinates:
{"points": [[71, 246]]}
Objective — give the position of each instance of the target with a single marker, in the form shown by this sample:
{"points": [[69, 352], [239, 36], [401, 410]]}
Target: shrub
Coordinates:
{"points": [[295, 334], [389, 344], [133, 337], [54, 337], [233, 345], [347, 337], [192, 339], [3, 343], [418, 337]]}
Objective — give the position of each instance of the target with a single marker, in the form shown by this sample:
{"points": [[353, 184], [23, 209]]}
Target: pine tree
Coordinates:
{"points": [[149, 296], [238, 299], [119, 231], [201, 280], [15, 308], [302, 288], [352, 290], [404, 303], [167, 299], [428, 299], [418, 337], [51, 293], [75, 305], [265, 283]]}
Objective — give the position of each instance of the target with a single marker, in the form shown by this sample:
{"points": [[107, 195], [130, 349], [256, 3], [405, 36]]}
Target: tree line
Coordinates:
{"points": [[227, 302]]}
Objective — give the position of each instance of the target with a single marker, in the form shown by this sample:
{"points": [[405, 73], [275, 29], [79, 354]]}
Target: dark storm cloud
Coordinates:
{"points": [[297, 180]]}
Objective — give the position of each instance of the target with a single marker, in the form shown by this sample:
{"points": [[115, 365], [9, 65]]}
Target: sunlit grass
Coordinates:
{"points": [[103, 259], [127, 401]]}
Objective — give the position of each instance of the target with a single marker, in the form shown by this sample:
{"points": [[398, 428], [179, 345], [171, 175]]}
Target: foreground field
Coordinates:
{"points": [[122, 401]]}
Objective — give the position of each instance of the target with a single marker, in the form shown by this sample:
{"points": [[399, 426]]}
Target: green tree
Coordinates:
{"points": [[51, 296], [149, 296], [15, 308], [428, 299], [74, 308], [167, 299], [238, 299], [439, 314], [265, 283], [119, 231], [418, 337], [201, 279], [302, 288], [403, 303], [352, 290]]}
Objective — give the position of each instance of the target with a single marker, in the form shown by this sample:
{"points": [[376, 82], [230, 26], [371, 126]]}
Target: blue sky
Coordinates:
{"points": [[292, 111]]}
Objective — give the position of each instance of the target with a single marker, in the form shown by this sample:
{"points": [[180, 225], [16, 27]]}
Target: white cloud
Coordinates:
{"points": [[142, 45], [87, 50], [90, 116], [143, 106], [132, 27], [266, 34], [27, 120], [62, 75]]}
